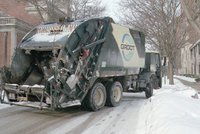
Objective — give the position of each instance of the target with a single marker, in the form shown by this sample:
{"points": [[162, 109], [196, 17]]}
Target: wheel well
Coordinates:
{"points": [[107, 80]]}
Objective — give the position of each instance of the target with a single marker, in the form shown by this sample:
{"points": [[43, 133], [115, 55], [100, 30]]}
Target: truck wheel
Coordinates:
{"points": [[160, 82], [84, 104], [96, 97], [148, 90], [114, 94], [156, 83]]}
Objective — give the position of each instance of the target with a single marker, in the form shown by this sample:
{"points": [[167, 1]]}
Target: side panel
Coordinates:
{"points": [[128, 48], [122, 53]]}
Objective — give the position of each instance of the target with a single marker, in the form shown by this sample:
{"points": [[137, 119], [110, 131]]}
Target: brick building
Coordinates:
{"points": [[15, 22], [18, 9]]}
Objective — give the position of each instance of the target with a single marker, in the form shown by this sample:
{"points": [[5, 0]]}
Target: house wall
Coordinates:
{"points": [[190, 57], [17, 9]]}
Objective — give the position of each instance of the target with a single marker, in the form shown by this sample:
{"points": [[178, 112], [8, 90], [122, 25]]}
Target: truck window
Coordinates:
{"points": [[139, 41], [153, 62]]}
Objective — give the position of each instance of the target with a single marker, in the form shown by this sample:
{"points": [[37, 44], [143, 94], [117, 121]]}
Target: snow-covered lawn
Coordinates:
{"points": [[172, 110], [185, 78]]}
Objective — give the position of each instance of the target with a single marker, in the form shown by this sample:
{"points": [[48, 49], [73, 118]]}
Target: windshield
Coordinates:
{"points": [[48, 36]]}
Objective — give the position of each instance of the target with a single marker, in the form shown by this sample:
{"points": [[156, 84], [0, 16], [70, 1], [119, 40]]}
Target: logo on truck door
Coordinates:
{"points": [[127, 47]]}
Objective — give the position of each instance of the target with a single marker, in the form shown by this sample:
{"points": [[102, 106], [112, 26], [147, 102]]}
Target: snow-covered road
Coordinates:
{"points": [[172, 110], [121, 119]]}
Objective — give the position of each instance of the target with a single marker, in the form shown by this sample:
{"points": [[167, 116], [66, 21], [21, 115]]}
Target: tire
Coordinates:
{"points": [[160, 82], [84, 104], [156, 83], [96, 98], [114, 94], [148, 90]]}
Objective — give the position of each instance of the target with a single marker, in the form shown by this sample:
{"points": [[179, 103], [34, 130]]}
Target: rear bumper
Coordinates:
{"points": [[20, 89], [15, 92]]}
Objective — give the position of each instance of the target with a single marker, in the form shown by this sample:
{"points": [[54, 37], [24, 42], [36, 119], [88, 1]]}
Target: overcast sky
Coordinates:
{"points": [[111, 6]]}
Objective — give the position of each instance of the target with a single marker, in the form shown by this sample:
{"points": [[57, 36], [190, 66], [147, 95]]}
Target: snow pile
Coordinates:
{"points": [[172, 110], [2, 106], [44, 37], [185, 78]]}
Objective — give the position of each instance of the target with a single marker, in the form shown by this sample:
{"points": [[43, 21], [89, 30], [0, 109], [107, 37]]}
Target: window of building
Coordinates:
{"points": [[199, 67], [192, 68], [199, 48]]}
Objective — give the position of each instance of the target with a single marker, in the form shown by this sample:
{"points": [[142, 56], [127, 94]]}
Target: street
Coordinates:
{"points": [[73, 120], [135, 115]]}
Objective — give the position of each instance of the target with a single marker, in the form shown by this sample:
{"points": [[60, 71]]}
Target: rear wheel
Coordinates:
{"points": [[114, 94], [96, 98]]}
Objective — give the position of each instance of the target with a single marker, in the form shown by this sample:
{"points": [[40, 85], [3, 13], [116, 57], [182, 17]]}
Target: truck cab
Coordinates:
{"points": [[150, 76]]}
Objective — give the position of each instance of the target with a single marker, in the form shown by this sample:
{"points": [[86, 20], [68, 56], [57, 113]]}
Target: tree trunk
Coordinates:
{"points": [[168, 68], [171, 73], [69, 12]]}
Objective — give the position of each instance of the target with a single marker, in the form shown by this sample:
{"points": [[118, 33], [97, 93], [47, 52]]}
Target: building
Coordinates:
{"points": [[190, 52], [11, 32], [185, 60], [15, 22], [17, 9], [195, 58]]}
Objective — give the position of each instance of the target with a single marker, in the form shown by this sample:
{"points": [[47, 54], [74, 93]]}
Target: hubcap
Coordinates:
{"points": [[116, 94], [98, 97]]}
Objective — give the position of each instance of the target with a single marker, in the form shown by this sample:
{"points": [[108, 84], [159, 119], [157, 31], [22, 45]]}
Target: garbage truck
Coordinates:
{"points": [[91, 61]]}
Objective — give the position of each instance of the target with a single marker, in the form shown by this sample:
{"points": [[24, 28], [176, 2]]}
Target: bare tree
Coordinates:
{"points": [[47, 10], [161, 21], [51, 10], [87, 8], [192, 11]]}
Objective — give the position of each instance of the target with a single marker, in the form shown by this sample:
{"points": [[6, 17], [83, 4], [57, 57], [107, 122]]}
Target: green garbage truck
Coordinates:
{"points": [[91, 61]]}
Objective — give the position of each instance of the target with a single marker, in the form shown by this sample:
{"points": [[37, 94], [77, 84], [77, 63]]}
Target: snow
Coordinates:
{"points": [[185, 78], [73, 124], [38, 86], [44, 37], [172, 110], [122, 119], [2, 106]]}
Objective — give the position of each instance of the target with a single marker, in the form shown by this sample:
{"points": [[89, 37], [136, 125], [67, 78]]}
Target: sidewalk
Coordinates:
{"points": [[194, 85]]}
